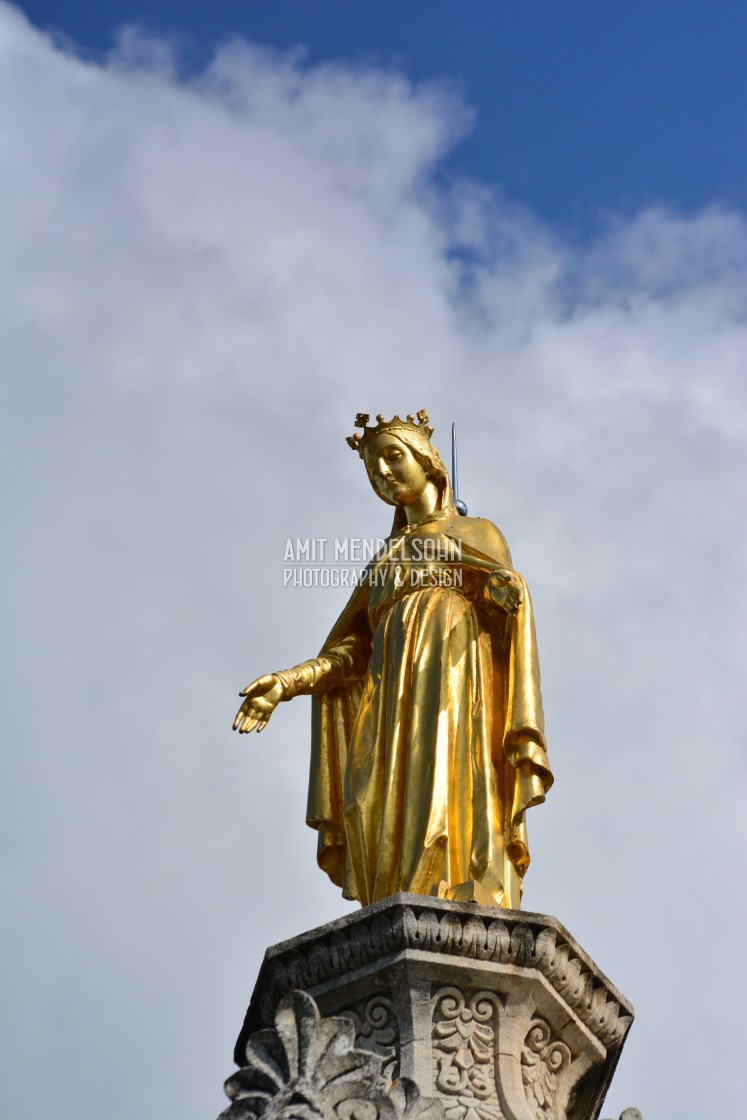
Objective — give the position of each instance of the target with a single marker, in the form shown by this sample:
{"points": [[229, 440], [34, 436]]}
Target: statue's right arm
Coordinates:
{"points": [[335, 667], [340, 663]]}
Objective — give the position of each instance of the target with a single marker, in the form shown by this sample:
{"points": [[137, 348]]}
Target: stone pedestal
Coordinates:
{"points": [[427, 1005]]}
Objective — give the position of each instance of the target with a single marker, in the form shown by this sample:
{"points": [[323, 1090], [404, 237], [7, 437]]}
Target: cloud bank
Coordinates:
{"points": [[208, 276]]}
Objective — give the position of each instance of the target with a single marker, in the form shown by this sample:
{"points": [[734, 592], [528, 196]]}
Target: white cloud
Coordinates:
{"points": [[208, 277]]}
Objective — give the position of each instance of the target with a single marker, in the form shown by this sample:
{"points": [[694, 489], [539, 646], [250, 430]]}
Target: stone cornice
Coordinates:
{"points": [[416, 925]]}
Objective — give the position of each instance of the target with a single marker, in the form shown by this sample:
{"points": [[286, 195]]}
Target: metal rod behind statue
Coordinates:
{"points": [[460, 506]]}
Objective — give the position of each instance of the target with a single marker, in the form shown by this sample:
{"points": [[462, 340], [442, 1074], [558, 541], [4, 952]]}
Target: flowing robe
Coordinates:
{"points": [[427, 733]]}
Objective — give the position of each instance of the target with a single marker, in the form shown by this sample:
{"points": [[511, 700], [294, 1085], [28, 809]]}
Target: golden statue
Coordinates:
{"points": [[427, 729]]}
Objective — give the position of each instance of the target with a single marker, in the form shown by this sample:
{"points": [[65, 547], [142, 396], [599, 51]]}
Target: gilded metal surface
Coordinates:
{"points": [[428, 733]]}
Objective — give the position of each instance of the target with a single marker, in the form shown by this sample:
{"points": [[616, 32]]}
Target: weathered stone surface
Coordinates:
{"points": [[308, 1068], [491, 1014]]}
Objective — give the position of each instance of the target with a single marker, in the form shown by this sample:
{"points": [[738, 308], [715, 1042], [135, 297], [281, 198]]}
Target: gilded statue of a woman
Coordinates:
{"points": [[427, 731]]}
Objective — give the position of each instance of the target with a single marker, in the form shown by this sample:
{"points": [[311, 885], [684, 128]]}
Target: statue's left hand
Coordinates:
{"points": [[261, 698], [504, 590]]}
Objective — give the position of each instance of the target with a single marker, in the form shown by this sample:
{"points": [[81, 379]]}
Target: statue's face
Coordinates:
{"points": [[394, 470]]}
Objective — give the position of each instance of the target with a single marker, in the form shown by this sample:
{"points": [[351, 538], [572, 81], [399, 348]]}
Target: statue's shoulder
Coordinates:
{"points": [[481, 535]]}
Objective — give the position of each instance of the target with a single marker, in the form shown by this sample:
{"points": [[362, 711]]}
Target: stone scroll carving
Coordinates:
{"points": [[377, 1030], [375, 1024], [308, 1068], [464, 1040], [543, 1060]]}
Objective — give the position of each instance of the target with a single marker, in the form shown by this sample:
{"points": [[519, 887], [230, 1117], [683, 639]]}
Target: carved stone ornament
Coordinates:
{"points": [[308, 1068], [543, 1059], [464, 1054], [377, 1030], [493, 1014]]}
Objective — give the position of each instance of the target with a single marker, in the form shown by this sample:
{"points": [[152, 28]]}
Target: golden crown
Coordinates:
{"points": [[360, 439]]}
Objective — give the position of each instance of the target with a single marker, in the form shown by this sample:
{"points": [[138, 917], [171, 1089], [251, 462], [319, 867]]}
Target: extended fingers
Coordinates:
{"points": [[240, 717], [247, 713], [252, 723]]}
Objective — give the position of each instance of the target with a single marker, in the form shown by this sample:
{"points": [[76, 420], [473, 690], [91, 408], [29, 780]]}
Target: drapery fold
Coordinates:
{"points": [[426, 759]]}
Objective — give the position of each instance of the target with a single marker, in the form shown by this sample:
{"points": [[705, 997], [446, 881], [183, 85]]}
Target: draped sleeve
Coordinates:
{"points": [[333, 713]]}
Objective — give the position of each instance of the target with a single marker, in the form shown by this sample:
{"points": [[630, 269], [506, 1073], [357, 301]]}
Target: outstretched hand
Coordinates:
{"points": [[505, 590], [261, 698]]}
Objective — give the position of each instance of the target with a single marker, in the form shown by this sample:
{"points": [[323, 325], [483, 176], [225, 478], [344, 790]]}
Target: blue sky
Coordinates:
{"points": [[582, 108], [220, 254]]}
